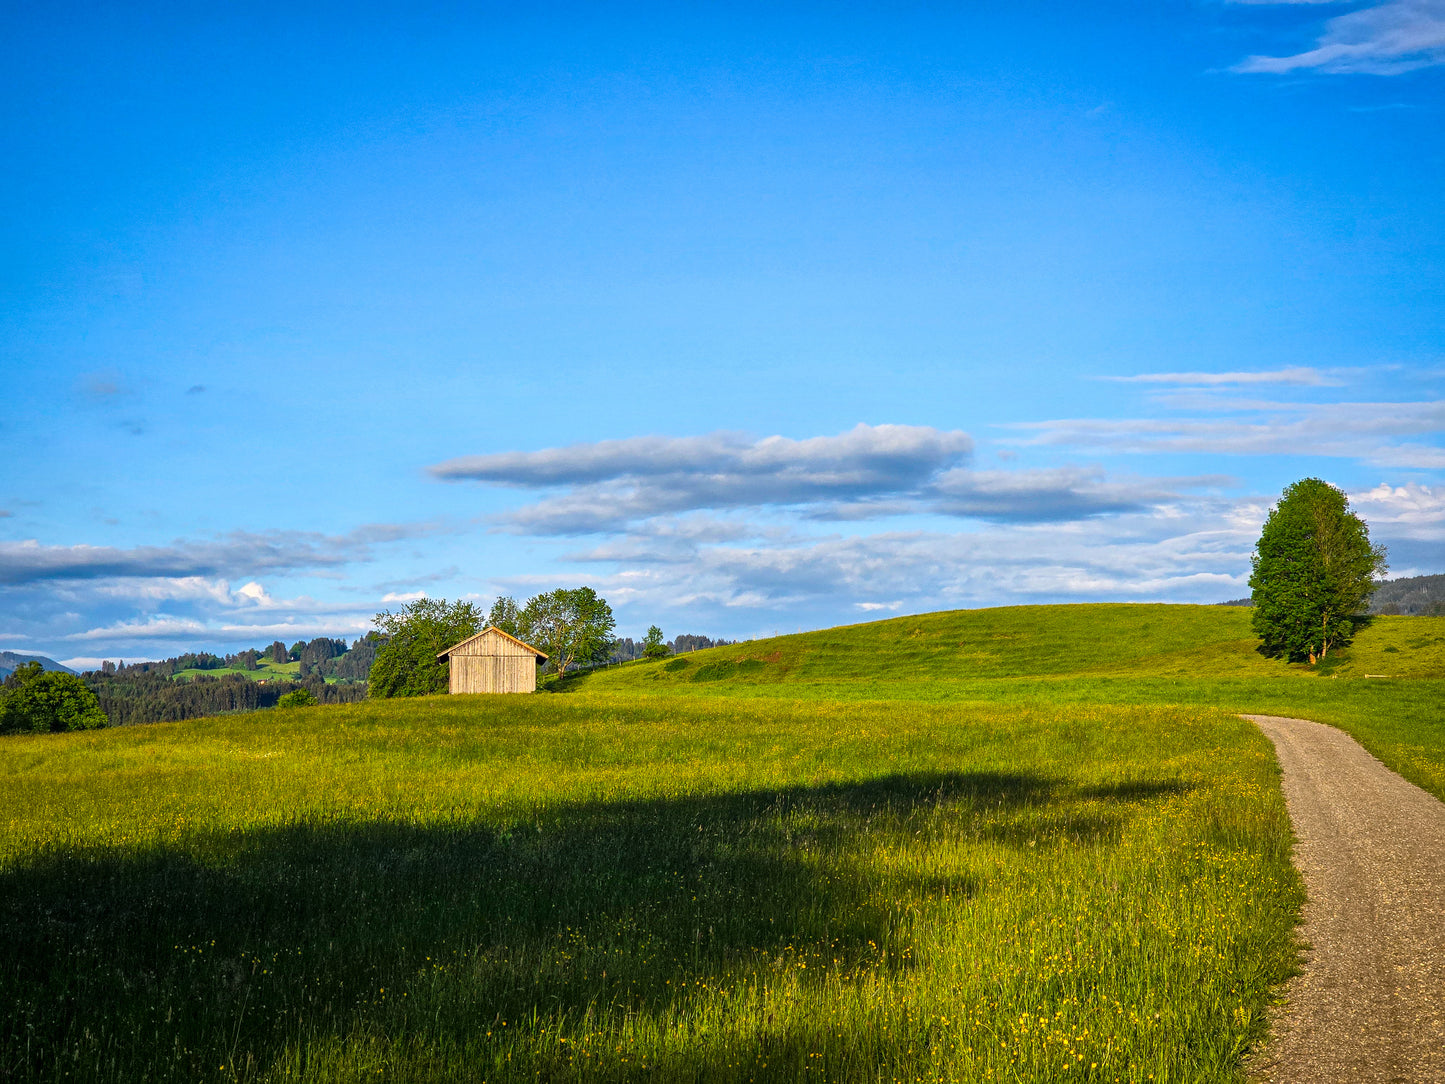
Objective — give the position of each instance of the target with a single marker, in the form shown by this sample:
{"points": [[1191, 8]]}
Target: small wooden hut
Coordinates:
{"points": [[493, 662]]}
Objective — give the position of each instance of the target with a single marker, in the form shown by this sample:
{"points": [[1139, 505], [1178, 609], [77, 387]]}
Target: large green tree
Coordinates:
{"points": [[571, 626], [37, 700], [407, 664], [1314, 571]]}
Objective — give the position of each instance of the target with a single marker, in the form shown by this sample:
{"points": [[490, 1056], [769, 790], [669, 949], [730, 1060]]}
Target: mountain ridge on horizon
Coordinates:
{"points": [[10, 660]]}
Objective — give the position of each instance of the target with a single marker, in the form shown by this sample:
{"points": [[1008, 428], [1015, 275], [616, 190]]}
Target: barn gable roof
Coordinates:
{"points": [[486, 631]]}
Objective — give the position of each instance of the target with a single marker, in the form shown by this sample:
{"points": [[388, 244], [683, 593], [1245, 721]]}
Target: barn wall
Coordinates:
{"points": [[493, 673]]}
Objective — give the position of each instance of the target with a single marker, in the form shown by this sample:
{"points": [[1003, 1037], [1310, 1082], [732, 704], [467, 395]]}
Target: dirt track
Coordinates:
{"points": [[1370, 1005]]}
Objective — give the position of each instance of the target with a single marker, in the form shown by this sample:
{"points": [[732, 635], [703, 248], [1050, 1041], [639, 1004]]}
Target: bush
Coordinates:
{"points": [[297, 698], [38, 701], [653, 646]]}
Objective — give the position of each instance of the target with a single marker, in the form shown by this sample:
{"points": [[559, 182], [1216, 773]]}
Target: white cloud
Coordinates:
{"points": [[254, 592], [1386, 39], [158, 616], [1197, 553], [1410, 511]]}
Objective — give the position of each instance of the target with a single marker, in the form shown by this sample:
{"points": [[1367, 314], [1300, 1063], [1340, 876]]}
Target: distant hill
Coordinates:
{"points": [[1411, 596], [9, 660]]}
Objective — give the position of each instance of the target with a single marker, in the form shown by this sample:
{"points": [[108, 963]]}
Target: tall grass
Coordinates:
{"points": [[627, 887]]}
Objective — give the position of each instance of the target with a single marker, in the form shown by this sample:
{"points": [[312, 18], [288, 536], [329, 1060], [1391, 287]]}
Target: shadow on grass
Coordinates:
{"points": [[234, 948]]}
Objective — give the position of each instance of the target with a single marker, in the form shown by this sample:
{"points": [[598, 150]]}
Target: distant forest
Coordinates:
{"points": [[1413, 596], [1410, 596], [148, 692]]}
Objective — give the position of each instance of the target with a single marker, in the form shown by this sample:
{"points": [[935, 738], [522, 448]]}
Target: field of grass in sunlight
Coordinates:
{"points": [[636, 886]]}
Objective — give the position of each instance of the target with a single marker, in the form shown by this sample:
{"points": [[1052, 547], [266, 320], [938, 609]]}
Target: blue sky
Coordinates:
{"points": [[753, 317]]}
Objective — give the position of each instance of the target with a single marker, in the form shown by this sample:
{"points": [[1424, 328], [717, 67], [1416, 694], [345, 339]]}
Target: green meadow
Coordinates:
{"points": [[267, 669], [1029, 844]]}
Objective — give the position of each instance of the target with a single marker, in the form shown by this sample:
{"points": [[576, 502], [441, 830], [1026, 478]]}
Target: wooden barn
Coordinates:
{"points": [[493, 662]]}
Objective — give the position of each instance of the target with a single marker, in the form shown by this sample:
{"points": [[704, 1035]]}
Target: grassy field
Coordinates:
{"points": [[1012, 845], [1387, 689]]}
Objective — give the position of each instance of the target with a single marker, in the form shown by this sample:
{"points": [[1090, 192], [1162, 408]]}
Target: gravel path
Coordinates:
{"points": [[1370, 1005]]}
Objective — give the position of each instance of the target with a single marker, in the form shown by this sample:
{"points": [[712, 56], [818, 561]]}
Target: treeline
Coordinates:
{"points": [[625, 649], [349, 664], [153, 696]]}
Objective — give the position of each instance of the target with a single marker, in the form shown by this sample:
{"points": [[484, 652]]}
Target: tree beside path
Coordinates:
{"points": [[1314, 570]]}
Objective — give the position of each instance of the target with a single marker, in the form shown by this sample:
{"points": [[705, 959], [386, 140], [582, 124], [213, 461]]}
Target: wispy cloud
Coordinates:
{"points": [[870, 472], [104, 387], [770, 470], [238, 554], [1054, 495], [1368, 432], [1386, 39], [611, 483], [1298, 376], [166, 629]]}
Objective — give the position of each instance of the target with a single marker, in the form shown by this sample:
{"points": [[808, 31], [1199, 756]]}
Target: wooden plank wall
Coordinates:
{"points": [[493, 673]]}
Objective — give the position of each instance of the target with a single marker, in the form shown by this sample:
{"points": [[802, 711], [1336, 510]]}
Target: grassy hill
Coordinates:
{"points": [[932, 652], [1030, 844]]}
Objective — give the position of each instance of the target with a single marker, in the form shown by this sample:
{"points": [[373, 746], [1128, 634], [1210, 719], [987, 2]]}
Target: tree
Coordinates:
{"points": [[1314, 571], [278, 651], [297, 698], [571, 626], [37, 700], [653, 646], [506, 616], [407, 664]]}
